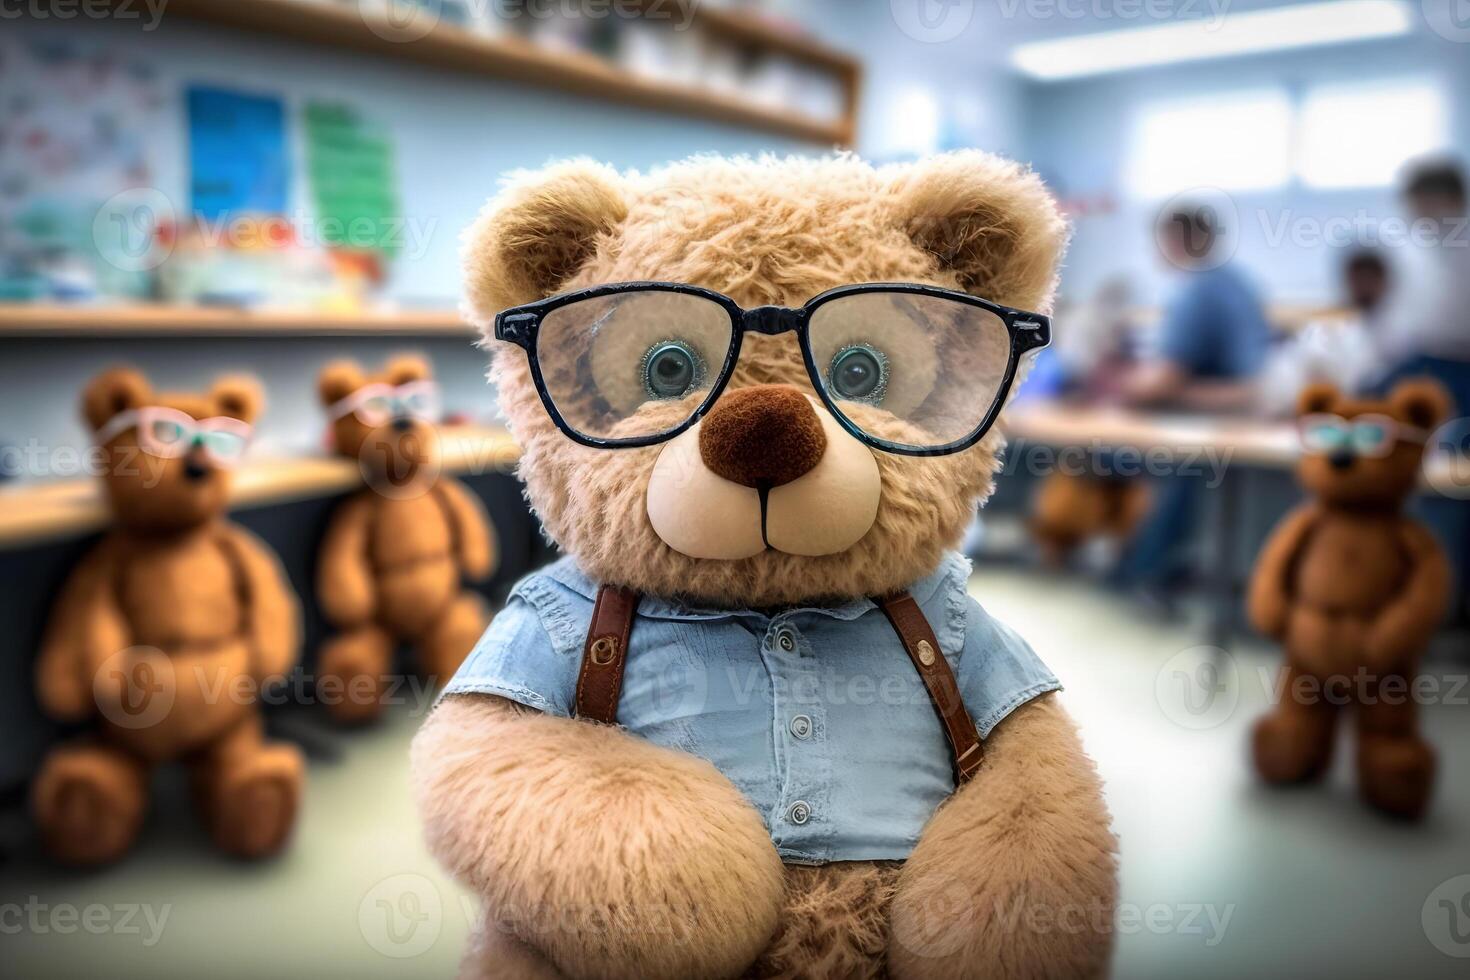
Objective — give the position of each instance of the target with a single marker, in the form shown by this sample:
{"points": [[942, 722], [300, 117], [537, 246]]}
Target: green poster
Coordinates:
{"points": [[349, 163]]}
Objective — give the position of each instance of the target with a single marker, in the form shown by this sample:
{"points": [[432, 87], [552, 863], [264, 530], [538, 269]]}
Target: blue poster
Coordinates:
{"points": [[237, 153]]}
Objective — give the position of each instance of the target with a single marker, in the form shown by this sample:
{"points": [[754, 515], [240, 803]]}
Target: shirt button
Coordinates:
{"points": [[800, 812], [786, 639], [801, 727]]}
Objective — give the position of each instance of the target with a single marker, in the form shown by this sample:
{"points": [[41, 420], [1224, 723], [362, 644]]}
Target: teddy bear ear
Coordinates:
{"points": [[112, 392], [338, 380], [989, 221], [404, 368], [1316, 398], [238, 397], [1422, 402], [537, 233]]}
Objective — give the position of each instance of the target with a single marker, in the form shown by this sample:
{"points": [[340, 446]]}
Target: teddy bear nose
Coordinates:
{"points": [[762, 436], [1342, 459]]}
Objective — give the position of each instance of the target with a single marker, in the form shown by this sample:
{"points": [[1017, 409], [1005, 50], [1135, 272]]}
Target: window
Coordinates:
{"points": [[1347, 135], [1359, 135], [1236, 142]]}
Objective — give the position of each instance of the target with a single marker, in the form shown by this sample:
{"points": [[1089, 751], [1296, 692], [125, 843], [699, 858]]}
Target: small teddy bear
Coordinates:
{"points": [[1069, 510], [396, 554], [1354, 590], [166, 632], [753, 724]]}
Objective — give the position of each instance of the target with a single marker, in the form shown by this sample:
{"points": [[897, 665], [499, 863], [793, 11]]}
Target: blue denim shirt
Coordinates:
{"points": [[817, 715]]}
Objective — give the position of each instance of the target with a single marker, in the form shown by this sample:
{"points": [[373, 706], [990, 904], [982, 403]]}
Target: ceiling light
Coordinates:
{"points": [[1333, 22]]}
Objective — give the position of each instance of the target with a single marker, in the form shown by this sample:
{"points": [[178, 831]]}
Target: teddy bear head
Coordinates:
{"points": [[1367, 452], [167, 457], [767, 499], [386, 420]]}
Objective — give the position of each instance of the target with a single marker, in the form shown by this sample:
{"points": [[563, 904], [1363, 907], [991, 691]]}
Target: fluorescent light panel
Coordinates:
{"points": [[1305, 25]]}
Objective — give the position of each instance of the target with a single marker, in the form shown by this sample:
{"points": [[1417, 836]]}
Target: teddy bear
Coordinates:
{"points": [[396, 554], [1354, 589], [752, 724], [1069, 510], [166, 633]]}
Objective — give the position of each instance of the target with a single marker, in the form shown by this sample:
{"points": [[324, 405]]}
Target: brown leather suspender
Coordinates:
{"points": [[923, 647], [600, 682], [601, 679]]}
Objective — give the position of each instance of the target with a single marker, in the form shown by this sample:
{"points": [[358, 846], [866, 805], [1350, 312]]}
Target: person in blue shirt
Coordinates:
{"points": [[1214, 336], [1212, 343]]}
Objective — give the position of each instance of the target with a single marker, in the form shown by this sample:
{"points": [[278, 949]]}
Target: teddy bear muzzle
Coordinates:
{"points": [[768, 468]]}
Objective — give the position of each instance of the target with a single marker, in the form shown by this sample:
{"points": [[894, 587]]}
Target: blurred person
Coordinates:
{"points": [[1426, 328], [1212, 344], [1427, 322], [1214, 336], [1343, 351]]}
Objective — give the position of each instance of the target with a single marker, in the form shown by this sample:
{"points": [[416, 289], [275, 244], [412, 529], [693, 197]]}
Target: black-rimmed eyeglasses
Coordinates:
{"points": [[906, 368]]}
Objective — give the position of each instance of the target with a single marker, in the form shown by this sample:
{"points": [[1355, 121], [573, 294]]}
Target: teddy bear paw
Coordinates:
{"points": [[255, 804], [1396, 775], [89, 804]]}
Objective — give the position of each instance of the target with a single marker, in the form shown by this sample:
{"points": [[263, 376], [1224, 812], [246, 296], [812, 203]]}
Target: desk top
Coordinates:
{"points": [[1243, 440]]}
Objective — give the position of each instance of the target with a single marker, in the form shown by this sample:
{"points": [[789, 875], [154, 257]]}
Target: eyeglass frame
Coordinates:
{"points": [[521, 326], [1397, 432], [352, 404], [139, 418]]}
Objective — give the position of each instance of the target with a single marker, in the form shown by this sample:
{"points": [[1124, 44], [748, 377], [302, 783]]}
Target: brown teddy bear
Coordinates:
{"points": [[1070, 509], [754, 724], [396, 554], [1354, 589], [164, 634]]}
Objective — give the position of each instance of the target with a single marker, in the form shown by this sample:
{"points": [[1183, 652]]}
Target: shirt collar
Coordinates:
{"points": [[953, 573]]}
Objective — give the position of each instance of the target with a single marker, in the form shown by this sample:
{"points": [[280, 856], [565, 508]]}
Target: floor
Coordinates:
{"points": [[1221, 878]]}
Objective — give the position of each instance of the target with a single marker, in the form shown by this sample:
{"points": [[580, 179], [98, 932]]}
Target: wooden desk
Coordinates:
{"points": [[30, 513], [1244, 441]]}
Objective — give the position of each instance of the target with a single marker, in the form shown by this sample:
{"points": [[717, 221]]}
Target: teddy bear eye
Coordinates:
{"points": [[859, 373], [671, 369]]}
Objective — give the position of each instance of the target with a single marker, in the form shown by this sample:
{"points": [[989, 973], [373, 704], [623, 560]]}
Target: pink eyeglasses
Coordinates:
{"points": [[380, 403], [168, 433]]}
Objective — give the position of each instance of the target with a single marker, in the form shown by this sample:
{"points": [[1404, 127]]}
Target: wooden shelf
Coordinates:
{"points": [[33, 513], [448, 46], [111, 321]]}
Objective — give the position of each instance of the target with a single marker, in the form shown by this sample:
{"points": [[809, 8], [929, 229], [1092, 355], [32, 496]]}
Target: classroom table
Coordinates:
{"points": [[1244, 445]]}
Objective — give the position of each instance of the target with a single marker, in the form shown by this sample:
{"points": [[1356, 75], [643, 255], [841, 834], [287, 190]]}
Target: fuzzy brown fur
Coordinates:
{"points": [[600, 855], [1354, 589], [396, 554], [161, 638]]}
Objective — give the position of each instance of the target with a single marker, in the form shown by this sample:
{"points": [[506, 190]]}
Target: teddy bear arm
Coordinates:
{"points": [[474, 540], [85, 628], [608, 854], [1016, 875], [344, 582], [272, 619], [1268, 599], [1404, 627]]}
